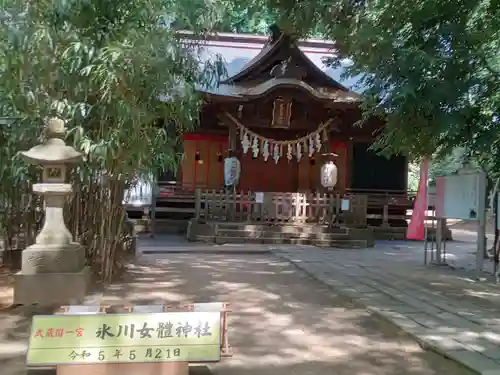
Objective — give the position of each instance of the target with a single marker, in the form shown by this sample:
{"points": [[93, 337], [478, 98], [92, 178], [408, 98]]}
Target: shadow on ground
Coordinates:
{"points": [[403, 261], [283, 321]]}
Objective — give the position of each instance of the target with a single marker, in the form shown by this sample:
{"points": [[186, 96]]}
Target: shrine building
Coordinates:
{"points": [[282, 96], [279, 113]]}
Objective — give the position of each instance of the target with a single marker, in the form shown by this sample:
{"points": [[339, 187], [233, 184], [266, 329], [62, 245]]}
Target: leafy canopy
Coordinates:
{"points": [[432, 68], [102, 65]]}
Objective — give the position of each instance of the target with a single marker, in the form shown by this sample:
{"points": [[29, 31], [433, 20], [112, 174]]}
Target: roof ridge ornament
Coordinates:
{"points": [[275, 32]]}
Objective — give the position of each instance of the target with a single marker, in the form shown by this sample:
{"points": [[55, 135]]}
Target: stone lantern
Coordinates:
{"points": [[53, 268], [329, 172]]}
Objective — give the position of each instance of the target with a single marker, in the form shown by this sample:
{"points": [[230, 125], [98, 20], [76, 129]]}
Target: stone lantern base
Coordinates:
{"points": [[52, 275]]}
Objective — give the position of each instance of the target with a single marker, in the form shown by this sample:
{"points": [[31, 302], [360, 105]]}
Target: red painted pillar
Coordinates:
{"points": [[210, 144], [195, 165]]}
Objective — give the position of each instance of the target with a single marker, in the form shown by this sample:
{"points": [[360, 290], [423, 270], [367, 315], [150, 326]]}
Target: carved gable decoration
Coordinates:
{"points": [[282, 113], [287, 69], [282, 107]]}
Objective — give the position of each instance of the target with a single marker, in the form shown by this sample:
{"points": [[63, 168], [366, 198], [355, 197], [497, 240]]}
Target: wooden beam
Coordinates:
{"points": [[232, 137]]}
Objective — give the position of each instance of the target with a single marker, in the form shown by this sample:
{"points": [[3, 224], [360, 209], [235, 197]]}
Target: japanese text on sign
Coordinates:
{"points": [[115, 338]]}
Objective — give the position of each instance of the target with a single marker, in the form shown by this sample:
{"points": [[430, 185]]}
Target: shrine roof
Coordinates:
{"points": [[254, 91], [255, 66]]}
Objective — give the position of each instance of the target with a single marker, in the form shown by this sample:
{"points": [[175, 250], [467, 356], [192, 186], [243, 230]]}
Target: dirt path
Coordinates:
{"points": [[6, 288], [283, 321]]}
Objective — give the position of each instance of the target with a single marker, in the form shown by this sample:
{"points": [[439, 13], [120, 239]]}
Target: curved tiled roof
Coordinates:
{"points": [[242, 92], [240, 55], [264, 52]]}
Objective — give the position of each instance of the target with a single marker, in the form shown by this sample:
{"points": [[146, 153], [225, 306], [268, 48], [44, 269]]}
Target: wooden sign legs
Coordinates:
{"points": [[165, 368]]}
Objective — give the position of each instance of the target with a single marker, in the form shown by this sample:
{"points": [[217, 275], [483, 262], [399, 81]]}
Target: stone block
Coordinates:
{"points": [[51, 288], [41, 259], [195, 229], [221, 240], [206, 239]]}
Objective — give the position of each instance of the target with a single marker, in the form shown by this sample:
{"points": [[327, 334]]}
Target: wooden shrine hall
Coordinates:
{"points": [[268, 114], [279, 116], [282, 96]]}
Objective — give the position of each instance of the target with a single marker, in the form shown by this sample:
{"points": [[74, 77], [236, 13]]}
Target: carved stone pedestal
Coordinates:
{"points": [[40, 258], [52, 274]]}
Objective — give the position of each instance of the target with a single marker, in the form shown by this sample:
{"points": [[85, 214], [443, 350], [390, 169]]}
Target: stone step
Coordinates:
{"points": [[281, 228], [352, 244], [280, 234], [341, 234], [170, 226], [348, 244], [203, 238], [276, 234], [162, 226], [399, 233]]}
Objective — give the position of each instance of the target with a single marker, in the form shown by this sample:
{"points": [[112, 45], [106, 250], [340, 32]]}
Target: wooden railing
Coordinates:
{"points": [[271, 207], [400, 198], [376, 198], [322, 208], [376, 207]]}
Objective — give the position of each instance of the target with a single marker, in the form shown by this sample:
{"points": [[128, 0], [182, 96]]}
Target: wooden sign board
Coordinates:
{"points": [[460, 196], [125, 338], [282, 113], [259, 197]]}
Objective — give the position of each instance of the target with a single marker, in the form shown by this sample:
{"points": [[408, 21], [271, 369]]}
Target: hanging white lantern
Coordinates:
{"points": [[329, 175], [232, 169]]}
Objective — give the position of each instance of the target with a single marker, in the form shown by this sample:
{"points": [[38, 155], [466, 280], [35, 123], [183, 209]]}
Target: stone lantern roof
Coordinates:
{"points": [[54, 151]]}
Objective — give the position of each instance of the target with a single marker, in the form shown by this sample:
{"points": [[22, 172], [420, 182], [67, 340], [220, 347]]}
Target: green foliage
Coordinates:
{"points": [[413, 176], [431, 68], [449, 164], [102, 66], [17, 208], [226, 16]]}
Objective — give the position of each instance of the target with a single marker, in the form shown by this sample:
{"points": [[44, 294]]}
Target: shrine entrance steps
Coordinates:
{"points": [[280, 233]]}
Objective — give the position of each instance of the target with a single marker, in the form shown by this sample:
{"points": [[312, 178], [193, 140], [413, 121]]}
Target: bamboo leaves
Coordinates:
{"points": [[104, 67]]}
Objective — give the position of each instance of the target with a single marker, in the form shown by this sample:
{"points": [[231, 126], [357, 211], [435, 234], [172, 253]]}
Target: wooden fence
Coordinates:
{"points": [[320, 208]]}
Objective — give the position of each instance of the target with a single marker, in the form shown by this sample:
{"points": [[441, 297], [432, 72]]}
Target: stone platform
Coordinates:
{"points": [[280, 233], [399, 233], [51, 288]]}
